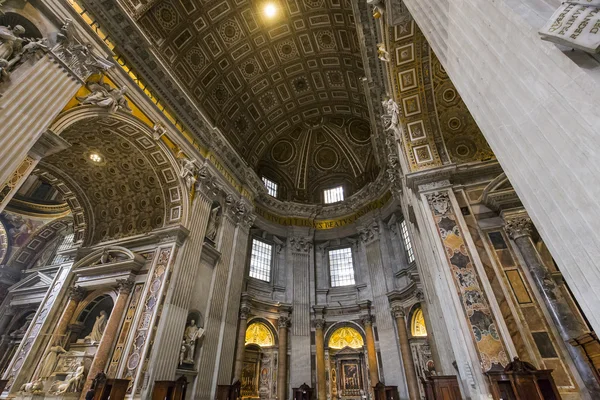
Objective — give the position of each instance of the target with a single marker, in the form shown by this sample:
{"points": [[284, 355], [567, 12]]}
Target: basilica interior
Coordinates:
{"points": [[299, 199]]}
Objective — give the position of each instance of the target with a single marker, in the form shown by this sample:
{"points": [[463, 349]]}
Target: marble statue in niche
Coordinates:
{"points": [[214, 222], [98, 329], [50, 361], [191, 335]]}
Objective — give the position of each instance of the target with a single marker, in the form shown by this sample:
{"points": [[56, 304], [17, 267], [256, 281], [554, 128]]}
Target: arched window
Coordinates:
{"points": [[417, 324], [346, 337], [260, 334]]}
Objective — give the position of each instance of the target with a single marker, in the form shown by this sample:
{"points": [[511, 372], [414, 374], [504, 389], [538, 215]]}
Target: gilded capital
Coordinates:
{"points": [[125, 285], [518, 225], [77, 293]]}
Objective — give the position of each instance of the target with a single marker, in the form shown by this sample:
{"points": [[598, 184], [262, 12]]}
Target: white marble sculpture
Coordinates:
{"points": [[158, 130], [98, 329], [392, 112], [188, 171], [50, 361], [71, 385], [190, 337], [213, 224], [382, 53], [13, 47], [575, 24], [105, 96], [32, 387]]}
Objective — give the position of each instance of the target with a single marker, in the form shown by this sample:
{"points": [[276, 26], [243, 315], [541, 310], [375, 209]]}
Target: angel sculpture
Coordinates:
{"points": [[382, 53], [105, 96]]}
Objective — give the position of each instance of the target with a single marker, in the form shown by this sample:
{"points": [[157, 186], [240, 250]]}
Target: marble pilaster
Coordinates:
{"points": [[109, 335], [519, 227], [241, 344]]}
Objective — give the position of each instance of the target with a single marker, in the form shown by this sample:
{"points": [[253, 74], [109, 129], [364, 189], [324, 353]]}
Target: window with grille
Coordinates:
{"points": [[260, 260], [271, 186], [341, 268], [334, 195], [407, 244]]}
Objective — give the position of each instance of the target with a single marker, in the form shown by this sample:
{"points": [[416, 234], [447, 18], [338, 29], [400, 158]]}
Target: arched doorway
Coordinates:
{"points": [[259, 372], [419, 345], [347, 369]]}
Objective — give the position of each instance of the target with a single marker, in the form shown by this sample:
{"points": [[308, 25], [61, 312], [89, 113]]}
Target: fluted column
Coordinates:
{"points": [[371, 352], [320, 349], [282, 358], [110, 334], [519, 227], [76, 294], [241, 344], [407, 360]]}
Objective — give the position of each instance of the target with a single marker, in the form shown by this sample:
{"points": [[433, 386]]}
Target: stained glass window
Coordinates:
{"points": [[346, 337], [340, 267], [260, 334], [417, 326], [260, 260]]}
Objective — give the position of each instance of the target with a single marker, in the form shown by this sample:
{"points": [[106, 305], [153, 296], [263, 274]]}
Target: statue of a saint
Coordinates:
{"points": [[188, 170], [98, 329], [50, 361], [392, 111], [102, 95], [12, 43], [190, 336], [213, 224]]}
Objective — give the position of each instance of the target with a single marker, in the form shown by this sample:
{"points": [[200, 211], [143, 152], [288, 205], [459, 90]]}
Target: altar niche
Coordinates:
{"points": [[345, 357], [259, 372]]}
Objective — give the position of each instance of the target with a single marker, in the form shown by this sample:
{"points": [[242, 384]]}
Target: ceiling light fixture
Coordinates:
{"points": [[270, 10], [95, 157]]}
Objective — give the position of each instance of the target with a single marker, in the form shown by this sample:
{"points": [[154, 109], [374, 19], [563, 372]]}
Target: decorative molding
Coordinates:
{"points": [[77, 293], [300, 244], [369, 233], [517, 224]]}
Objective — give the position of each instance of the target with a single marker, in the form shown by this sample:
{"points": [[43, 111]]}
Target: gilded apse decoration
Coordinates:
{"points": [[478, 313], [346, 337], [260, 334], [417, 324]]}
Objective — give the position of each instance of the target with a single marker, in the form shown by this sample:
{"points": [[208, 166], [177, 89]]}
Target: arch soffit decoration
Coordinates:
{"points": [[150, 157], [37, 243]]}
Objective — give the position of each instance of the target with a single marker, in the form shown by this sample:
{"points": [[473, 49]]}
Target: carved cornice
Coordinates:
{"points": [[300, 244], [440, 202], [517, 224]]}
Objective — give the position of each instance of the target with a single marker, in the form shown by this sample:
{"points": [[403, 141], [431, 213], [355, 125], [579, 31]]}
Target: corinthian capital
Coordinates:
{"points": [[518, 225], [300, 244], [77, 293], [369, 233], [283, 322], [398, 312], [125, 285]]}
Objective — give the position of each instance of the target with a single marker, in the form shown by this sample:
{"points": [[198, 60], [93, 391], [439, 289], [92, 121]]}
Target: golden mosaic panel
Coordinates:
{"points": [[346, 337], [260, 334]]}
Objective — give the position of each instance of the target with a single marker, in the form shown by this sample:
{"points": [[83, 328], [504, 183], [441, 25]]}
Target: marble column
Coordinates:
{"points": [[241, 344], [76, 294], [407, 359], [320, 350], [371, 352], [282, 389], [110, 334], [519, 227]]}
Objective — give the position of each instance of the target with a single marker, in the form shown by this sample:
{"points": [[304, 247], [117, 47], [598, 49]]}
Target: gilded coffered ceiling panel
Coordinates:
{"points": [[261, 79], [122, 176]]}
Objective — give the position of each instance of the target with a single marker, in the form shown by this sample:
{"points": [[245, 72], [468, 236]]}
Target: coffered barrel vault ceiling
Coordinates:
{"points": [[286, 91]]}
